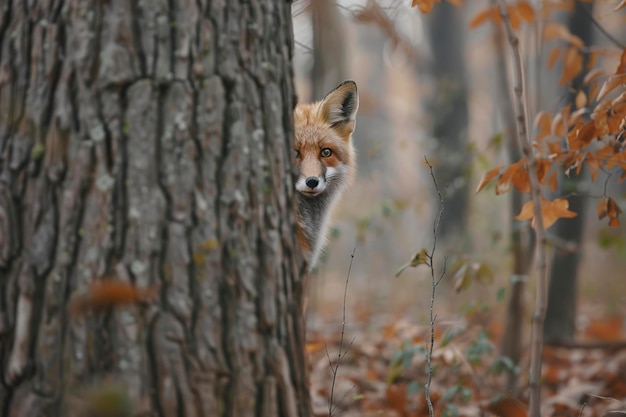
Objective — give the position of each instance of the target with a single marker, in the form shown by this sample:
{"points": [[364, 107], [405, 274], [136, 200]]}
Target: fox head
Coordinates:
{"points": [[325, 156]]}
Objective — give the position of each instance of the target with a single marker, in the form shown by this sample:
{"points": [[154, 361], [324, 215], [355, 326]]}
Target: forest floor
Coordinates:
{"points": [[382, 368]]}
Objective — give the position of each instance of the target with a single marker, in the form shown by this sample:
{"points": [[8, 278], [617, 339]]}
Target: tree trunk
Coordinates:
{"points": [[329, 47], [450, 114], [150, 141], [522, 237], [560, 323]]}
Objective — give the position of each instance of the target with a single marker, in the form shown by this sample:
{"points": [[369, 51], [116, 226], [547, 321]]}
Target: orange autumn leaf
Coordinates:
{"points": [[621, 68], [581, 99], [109, 293], [591, 76], [606, 329], [487, 177], [514, 18], [543, 123], [481, 17], [312, 347], [424, 6], [592, 60], [521, 181], [504, 183], [554, 56], [572, 65], [612, 209], [580, 137], [555, 30], [551, 211], [526, 11], [507, 407], [611, 84]]}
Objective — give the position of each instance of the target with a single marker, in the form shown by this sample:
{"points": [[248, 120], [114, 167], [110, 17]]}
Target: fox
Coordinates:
{"points": [[325, 163]]}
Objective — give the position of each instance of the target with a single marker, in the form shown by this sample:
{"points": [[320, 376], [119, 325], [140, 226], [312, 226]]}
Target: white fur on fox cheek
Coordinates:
{"points": [[339, 171]]}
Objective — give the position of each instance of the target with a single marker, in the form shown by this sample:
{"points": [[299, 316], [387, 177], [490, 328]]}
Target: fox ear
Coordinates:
{"points": [[339, 107]]}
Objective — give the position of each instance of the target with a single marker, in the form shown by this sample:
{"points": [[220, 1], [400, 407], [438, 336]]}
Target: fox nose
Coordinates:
{"points": [[312, 182]]}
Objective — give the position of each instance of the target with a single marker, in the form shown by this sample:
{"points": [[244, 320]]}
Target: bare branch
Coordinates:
{"points": [[341, 354], [434, 283]]}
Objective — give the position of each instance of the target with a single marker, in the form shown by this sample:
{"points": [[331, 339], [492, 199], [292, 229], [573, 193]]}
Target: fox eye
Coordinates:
{"points": [[326, 152], [298, 155]]}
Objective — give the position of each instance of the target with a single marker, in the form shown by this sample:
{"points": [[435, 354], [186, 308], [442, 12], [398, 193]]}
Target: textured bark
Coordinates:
{"points": [[151, 141]]}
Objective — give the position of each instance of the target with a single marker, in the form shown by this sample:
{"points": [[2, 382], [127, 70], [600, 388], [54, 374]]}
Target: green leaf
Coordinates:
{"points": [[420, 258], [484, 274], [501, 294], [450, 410], [413, 388]]}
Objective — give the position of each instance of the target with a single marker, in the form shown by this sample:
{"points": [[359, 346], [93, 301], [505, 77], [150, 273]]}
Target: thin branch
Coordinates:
{"points": [[339, 355], [523, 125], [434, 283], [304, 46], [600, 28]]}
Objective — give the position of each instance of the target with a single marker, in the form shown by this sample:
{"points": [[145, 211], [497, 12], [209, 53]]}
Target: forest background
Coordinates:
{"points": [[439, 84]]}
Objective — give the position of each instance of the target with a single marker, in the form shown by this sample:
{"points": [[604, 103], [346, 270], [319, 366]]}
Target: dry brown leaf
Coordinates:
{"points": [[487, 177], [504, 183], [558, 126], [526, 11], [592, 75], [611, 84], [481, 17], [592, 60], [555, 30], [514, 18], [581, 137], [543, 120], [554, 56], [507, 407], [621, 68], [612, 210], [521, 181], [424, 6], [572, 65], [581, 99], [551, 211]]}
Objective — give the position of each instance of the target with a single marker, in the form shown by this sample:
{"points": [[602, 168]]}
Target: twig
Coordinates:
{"points": [[600, 28], [434, 285], [523, 125], [339, 355]]}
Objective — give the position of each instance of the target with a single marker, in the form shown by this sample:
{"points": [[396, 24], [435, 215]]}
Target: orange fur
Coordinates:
{"points": [[326, 162]]}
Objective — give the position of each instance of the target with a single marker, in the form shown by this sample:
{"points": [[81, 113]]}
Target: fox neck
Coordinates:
{"points": [[314, 214]]}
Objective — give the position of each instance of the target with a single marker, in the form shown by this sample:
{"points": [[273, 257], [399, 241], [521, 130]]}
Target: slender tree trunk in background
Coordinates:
{"points": [[560, 323], [450, 113], [150, 141], [522, 236], [329, 47]]}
